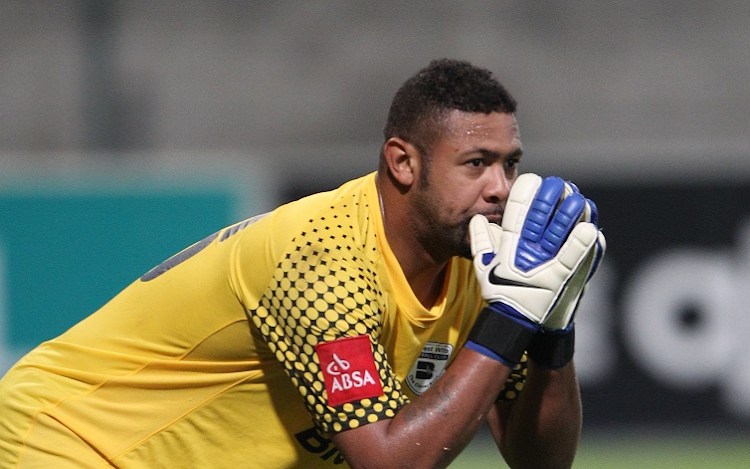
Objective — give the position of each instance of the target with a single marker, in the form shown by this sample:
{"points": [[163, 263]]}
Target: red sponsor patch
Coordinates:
{"points": [[349, 370]]}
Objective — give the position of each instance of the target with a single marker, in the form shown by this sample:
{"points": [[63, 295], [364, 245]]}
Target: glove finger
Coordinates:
{"points": [[601, 248], [564, 219], [483, 246], [591, 213], [542, 209], [495, 232], [519, 200], [602, 242], [579, 242], [571, 188]]}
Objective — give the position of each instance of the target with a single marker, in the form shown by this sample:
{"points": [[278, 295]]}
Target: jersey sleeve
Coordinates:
{"points": [[515, 381], [326, 291]]}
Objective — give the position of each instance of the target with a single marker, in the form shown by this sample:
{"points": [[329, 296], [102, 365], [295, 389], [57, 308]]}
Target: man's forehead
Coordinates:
{"points": [[493, 129]]}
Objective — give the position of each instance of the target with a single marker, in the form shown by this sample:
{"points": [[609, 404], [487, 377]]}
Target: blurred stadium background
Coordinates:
{"points": [[130, 129]]}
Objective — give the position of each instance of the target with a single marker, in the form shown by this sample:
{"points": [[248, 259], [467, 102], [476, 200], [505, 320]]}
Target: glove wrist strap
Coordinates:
{"points": [[500, 336], [552, 349]]}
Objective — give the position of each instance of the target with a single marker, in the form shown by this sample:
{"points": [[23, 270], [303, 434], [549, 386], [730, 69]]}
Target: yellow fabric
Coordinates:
{"points": [[208, 360]]}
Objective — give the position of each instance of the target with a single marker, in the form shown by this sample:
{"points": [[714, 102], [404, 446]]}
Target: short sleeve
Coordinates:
{"points": [[322, 290]]}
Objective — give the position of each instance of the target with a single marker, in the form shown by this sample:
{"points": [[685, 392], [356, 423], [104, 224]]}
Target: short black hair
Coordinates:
{"points": [[444, 85]]}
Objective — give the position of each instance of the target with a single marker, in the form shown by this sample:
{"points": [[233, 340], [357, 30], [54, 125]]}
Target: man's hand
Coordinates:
{"points": [[562, 315], [553, 347], [523, 271]]}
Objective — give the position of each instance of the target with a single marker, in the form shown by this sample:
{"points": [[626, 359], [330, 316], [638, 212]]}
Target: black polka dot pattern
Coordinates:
{"points": [[324, 288]]}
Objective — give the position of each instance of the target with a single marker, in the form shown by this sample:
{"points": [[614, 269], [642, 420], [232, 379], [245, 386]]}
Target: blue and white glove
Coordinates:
{"points": [[563, 314], [553, 347], [524, 269]]}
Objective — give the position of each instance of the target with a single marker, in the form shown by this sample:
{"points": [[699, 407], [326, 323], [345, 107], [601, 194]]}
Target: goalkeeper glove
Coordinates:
{"points": [[553, 346], [541, 246]]}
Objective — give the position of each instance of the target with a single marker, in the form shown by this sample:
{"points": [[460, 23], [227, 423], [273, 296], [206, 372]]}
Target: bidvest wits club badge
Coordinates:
{"points": [[349, 370], [429, 366]]}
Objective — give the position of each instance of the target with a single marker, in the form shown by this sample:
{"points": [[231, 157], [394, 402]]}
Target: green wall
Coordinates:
{"points": [[67, 247]]}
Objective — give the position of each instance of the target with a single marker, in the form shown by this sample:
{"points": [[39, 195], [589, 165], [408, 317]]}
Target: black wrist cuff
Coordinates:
{"points": [[552, 350], [501, 334]]}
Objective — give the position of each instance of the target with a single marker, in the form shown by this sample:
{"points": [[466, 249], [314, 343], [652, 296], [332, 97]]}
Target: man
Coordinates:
{"points": [[343, 328]]}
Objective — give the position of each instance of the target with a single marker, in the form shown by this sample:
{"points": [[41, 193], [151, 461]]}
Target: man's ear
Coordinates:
{"points": [[402, 159]]}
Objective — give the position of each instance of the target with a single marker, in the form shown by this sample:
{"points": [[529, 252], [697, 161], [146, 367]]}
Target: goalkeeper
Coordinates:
{"points": [[380, 324]]}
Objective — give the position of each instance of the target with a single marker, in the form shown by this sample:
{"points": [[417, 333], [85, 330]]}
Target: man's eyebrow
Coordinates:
{"points": [[496, 155], [517, 153]]}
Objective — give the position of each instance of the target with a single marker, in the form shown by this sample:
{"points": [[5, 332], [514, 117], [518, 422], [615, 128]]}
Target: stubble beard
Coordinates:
{"points": [[441, 238]]}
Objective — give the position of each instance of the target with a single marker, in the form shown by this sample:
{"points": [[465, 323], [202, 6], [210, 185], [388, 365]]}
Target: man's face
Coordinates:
{"points": [[470, 170]]}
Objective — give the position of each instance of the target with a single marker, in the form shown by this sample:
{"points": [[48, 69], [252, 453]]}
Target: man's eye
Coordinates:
{"points": [[476, 162]]}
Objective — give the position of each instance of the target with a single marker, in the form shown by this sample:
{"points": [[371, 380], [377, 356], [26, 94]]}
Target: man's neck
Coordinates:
{"points": [[423, 272]]}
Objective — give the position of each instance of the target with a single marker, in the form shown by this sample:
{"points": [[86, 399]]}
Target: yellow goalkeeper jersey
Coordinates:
{"points": [[247, 349]]}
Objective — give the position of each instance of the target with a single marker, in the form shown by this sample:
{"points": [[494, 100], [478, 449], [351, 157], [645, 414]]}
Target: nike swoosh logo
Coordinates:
{"points": [[495, 280]]}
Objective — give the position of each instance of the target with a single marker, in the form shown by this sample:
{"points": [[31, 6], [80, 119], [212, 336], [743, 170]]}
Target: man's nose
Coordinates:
{"points": [[498, 185]]}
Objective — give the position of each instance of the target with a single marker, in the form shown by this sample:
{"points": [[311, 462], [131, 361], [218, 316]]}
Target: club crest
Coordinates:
{"points": [[429, 366]]}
